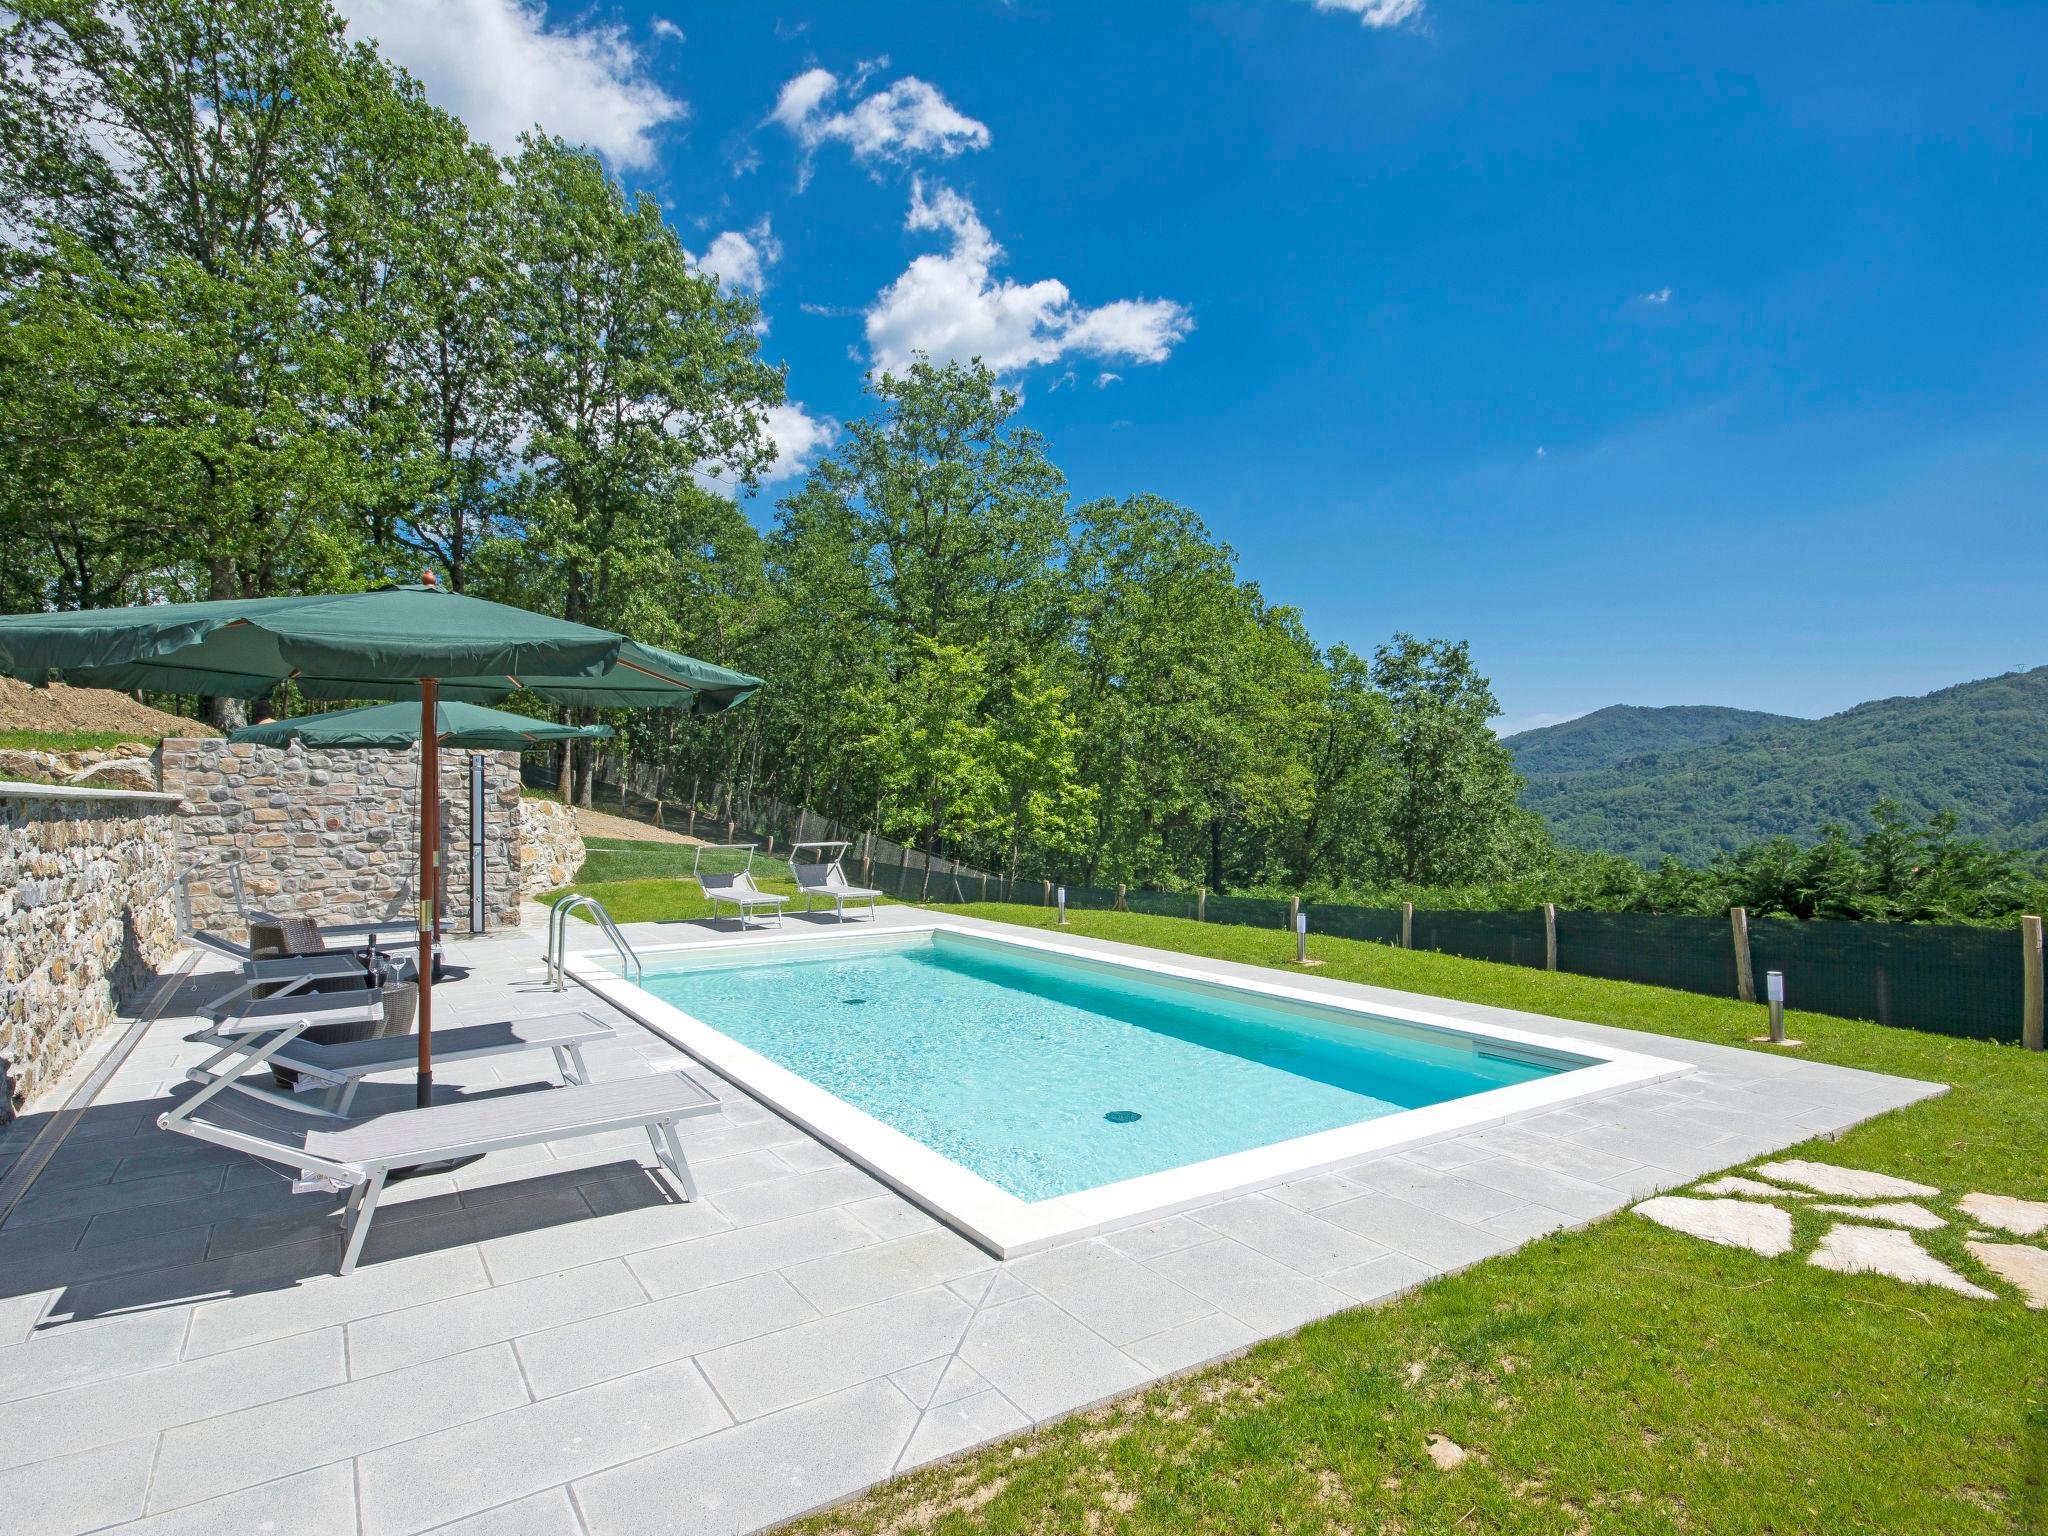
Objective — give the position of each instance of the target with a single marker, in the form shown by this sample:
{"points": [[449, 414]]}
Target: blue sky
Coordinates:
{"points": [[1670, 354]]}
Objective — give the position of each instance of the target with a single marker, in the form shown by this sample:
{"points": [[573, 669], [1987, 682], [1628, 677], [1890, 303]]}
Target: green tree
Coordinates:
{"points": [[1451, 812]]}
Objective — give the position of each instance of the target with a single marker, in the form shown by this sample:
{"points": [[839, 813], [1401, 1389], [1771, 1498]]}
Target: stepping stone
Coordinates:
{"points": [[1446, 1452], [1735, 1184], [1761, 1229], [2024, 1269], [2026, 1218], [1852, 1250], [1848, 1183], [1900, 1213]]}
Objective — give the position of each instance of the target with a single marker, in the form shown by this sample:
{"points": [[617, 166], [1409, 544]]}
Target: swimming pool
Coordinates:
{"points": [[1024, 1089]]}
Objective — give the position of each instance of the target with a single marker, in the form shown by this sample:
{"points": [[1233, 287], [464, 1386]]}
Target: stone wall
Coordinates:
{"points": [[550, 845], [87, 915], [334, 834], [124, 766]]}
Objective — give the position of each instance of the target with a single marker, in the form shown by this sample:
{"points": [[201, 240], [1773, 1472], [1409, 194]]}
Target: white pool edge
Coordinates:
{"points": [[1009, 1227]]}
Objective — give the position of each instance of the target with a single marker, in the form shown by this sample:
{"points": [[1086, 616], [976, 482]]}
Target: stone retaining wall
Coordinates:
{"points": [[550, 846], [334, 834], [87, 916]]}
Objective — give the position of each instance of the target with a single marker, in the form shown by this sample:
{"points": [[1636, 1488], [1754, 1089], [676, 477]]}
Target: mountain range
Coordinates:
{"points": [[1690, 781]]}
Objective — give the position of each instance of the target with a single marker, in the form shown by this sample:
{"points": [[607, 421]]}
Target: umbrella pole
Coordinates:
{"points": [[430, 884]]}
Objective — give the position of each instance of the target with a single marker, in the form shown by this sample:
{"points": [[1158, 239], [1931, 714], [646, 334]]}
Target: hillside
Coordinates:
{"points": [[1978, 749], [1617, 735]]}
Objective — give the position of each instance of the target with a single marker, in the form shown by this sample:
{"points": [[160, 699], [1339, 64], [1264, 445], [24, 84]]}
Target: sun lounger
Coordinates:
{"points": [[343, 1066], [737, 891], [361, 1154], [378, 932], [827, 879]]}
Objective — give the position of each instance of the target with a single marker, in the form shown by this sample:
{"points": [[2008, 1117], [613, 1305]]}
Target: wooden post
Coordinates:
{"points": [[1745, 977], [867, 854], [2030, 993], [1407, 925], [771, 845], [1048, 893], [1201, 903], [1121, 905], [1293, 913], [731, 828], [1550, 935]]}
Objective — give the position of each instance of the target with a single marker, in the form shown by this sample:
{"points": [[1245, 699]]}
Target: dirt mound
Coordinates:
{"points": [[58, 708]]}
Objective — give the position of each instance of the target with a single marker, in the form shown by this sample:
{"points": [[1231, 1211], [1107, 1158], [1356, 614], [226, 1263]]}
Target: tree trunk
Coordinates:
{"points": [[1216, 853]]}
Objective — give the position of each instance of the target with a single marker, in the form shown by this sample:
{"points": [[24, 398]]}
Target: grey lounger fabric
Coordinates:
{"points": [[343, 1065], [361, 1154], [829, 881], [740, 893]]}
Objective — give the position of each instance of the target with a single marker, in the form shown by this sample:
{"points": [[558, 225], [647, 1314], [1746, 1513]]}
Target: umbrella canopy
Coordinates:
{"points": [[398, 725], [361, 645], [397, 643]]}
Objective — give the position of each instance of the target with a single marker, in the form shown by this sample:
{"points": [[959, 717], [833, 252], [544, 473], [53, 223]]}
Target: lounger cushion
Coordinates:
{"points": [[363, 1056]]}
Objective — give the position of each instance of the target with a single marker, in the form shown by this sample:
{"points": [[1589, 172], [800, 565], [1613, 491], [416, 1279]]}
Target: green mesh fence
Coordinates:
{"points": [[1089, 898], [1694, 954], [1249, 911], [1162, 903], [1513, 938], [1948, 980], [1377, 925]]}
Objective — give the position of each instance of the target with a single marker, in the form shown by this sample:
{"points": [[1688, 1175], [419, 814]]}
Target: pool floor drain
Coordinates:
{"points": [[1122, 1116], [852, 1002]]}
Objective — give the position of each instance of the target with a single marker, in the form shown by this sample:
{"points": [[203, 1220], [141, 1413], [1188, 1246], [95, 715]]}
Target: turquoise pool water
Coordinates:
{"points": [[1046, 1075]]}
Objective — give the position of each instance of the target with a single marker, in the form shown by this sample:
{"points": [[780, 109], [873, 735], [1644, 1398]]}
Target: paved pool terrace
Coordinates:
{"points": [[547, 1341]]}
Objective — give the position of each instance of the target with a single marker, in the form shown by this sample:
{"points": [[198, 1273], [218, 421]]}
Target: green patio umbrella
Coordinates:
{"points": [[456, 724], [396, 643]]}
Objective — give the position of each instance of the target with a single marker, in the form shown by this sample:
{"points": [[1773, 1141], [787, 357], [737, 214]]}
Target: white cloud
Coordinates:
{"points": [[1104, 380], [1658, 296], [799, 438], [952, 307], [1375, 13], [741, 258], [501, 68], [664, 28], [899, 123]]}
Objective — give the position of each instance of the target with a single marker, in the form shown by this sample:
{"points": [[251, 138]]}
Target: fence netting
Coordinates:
{"points": [[1949, 980], [1693, 954], [1513, 938], [1377, 925]]}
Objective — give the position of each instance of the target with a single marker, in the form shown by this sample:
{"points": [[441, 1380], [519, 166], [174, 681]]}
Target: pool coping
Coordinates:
{"points": [[1008, 1226]]}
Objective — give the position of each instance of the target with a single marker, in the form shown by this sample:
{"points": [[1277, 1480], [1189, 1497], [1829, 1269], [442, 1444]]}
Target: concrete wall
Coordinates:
{"points": [[334, 835], [87, 915]]}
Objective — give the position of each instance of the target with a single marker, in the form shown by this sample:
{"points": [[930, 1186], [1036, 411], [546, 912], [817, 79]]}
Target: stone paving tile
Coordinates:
{"points": [[571, 1245], [391, 1340], [780, 1370], [958, 1379], [881, 1270], [796, 1194], [321, 1502], [1107, 1291], [1415, 1231], [1447, 1194], [202, 1460], [1380, 1278], [72, 1357], [1527, 1222], [148, 1401], [55, 1201], [1045, 1362], [20, 1312], [738, 1251], [471, 1467], [1157, 1237], [1250, 1286], [1535, 1182], [1312, 1194], [79, 1492], [324, 1300], [548, 1513], [1296, 1238], [758, 1473], [890, 1215], [1191, 1344], [950, 1428], [807, 1156], [580, 1354]]}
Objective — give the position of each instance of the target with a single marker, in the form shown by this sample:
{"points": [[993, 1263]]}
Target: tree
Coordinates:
{"points": [[933, 757], [1452, 803]]}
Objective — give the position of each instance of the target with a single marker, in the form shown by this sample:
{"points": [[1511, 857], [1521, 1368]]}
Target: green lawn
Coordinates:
{"points": [[71, 741], [641, 882], [1621, 1378]]}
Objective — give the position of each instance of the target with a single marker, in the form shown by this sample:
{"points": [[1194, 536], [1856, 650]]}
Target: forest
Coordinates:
{"points": [[271, 322]]}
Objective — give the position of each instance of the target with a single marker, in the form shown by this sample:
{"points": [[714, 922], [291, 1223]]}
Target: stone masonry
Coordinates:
{"points": [[550, 846], [87, 915]]}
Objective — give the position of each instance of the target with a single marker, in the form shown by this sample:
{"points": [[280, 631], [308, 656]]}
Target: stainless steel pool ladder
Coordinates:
{"points": [[558, 937]]}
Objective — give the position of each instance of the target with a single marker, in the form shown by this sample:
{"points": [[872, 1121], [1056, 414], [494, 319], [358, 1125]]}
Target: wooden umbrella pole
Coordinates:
{"points": [[430, 883]]}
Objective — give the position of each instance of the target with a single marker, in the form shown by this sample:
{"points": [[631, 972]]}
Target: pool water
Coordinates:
{"points": [[1047, 1075]]}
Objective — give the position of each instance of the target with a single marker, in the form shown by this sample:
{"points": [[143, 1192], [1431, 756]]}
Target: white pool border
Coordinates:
{"points": [[1008, 1226]]}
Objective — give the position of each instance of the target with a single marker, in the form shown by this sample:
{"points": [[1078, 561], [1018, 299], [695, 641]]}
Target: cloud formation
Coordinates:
{"points": [[902, 122], [799, 438], [1376, 13], [501, 68], [741, 258], [952, 307]]}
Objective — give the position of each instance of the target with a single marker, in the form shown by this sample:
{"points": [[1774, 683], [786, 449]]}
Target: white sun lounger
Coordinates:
{"points": [[361, 1154], [827, 879], [736, 891], [344, 1065]]}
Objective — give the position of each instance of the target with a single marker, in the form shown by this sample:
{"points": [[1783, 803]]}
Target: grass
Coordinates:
{"points": [[71, 741], [1621, 1378], [641, 882]]}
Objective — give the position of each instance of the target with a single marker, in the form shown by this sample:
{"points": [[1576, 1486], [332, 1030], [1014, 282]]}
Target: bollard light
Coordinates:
{"points": [[1774, 992], [1063, 906], [1301, 938]]}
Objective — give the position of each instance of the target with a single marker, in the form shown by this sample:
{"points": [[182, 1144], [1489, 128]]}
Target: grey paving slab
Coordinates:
{"points": [[889, 1215], [1153, 1238], [1380, 1278], [391, 1340], [1249, 1286], [1191, 1344], [323, 1300], [1298, 1239], [1544, 1185], [950, 1428], [1312, 1194], [321, 1502], [1044, 1361], [1447, 1194], [550, 1512], [1526, 1222], [333, 1424], [576, 1355], [686, 1266], [1107, 1291], [1419, 1233], [759, 1473], [880, 1270], [70, 1357], [471, 1467], [811, 1359], [796, 1194], [957, 1379], [80, 1492], [571, 1245], [148, 1401]]}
